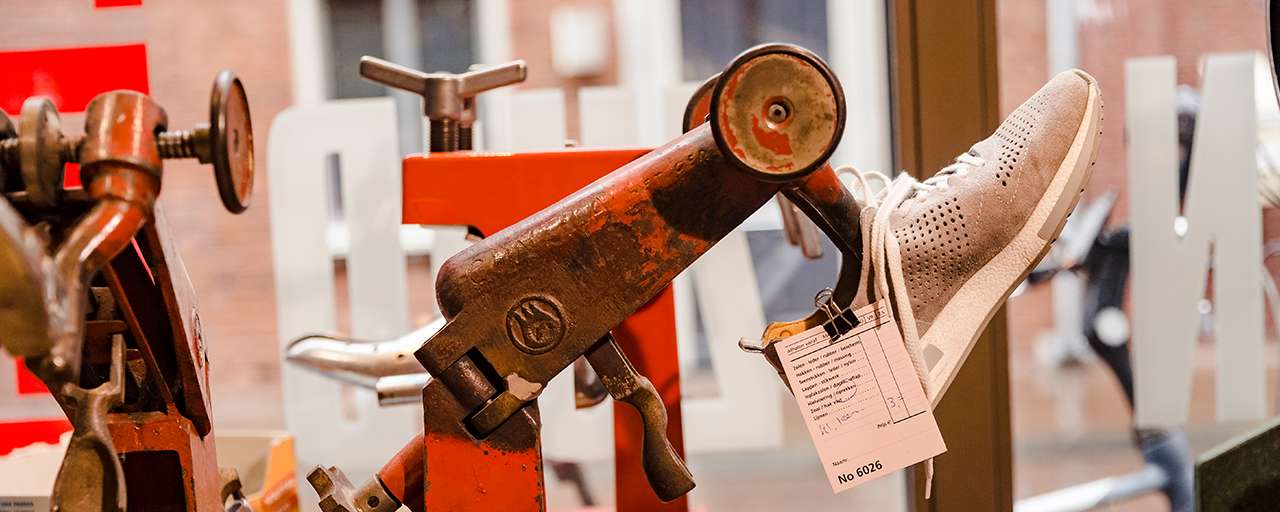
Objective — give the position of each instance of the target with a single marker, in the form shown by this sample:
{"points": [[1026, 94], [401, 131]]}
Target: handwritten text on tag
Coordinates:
{"points": [[861, 399]]}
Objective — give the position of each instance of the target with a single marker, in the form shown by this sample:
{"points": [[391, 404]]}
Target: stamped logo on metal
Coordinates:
{"points": [[535, 325]]}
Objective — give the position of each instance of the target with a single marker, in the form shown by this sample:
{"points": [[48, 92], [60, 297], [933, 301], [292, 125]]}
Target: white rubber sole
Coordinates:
{"points": [[962, 320]]}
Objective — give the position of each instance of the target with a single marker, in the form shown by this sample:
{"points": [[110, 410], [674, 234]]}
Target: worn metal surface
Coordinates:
{"points": [[122, 181], [799, 230], [778, 111], [24, 269], [588, 388], [184, 337], [39, 129], [559, 280], [232, 492], [648, 340], [399, 482], [504, 471], [401, 389], [525, 302], [432, 186], [126, 361], [91, 454], [168, 465], [338, 495], [230, 142], [501, 472]]}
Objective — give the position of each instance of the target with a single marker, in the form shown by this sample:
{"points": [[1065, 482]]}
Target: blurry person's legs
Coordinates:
{"points": [[1108, 272]]}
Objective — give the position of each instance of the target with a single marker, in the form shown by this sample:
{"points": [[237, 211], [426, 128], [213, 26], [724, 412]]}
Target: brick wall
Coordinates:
{"points": [[531, 41], [1112, 32]]}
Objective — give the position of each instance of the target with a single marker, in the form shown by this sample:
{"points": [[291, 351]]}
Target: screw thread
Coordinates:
{"points": [[177, 144], [464, 139], [444, 135]]}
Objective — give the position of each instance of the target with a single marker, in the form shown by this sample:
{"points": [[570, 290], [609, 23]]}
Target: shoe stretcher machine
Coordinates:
{"points": [[527, 301], [99, 305], [441, 195]]}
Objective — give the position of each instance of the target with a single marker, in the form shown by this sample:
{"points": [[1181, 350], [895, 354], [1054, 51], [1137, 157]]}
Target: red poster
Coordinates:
{"points": [[116, 3], [70, 76]]}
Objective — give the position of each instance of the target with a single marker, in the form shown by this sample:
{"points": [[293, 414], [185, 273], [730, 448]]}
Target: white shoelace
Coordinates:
{"points": [[886, 257], [882, 248]]}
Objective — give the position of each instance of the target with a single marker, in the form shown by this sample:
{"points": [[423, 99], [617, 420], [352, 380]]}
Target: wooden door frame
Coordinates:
{"points": [[945, 97]]}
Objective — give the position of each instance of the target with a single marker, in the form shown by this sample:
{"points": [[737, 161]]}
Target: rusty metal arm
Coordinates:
{"points": [[526, 302], [828, 203], [124, 199], [567, 275]]}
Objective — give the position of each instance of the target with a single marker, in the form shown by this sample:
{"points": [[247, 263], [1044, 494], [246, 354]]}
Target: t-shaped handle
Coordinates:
{"points": [[447, 98]]}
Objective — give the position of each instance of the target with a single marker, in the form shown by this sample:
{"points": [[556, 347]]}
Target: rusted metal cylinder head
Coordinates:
{"points": [[778, 112], [120, 130]]}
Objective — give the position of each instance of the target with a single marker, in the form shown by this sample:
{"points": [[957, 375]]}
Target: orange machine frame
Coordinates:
{"points": [[488, 192]]}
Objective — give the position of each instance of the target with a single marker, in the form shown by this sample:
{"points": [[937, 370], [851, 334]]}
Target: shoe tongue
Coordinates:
{"points": [[866, 218]]}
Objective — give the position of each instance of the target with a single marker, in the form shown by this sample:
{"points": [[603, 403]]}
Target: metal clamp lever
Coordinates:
{"points": [[91, 477], [667, 474]]}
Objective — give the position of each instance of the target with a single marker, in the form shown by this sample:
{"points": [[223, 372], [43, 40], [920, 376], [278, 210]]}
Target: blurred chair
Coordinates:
{"points": [[335, 423]]}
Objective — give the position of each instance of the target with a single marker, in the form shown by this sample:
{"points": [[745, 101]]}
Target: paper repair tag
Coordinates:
{"points": [[860, 397]]}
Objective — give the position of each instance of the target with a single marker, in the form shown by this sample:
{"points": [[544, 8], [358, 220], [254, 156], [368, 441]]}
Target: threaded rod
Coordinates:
{"points": [[177, 144]]}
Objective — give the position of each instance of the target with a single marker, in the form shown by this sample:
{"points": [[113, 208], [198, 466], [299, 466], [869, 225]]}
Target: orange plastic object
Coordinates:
{"points": [[490, 191]]}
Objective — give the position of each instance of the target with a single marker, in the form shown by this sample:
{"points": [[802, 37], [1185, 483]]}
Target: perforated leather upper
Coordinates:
{"points": [[947, 235]]}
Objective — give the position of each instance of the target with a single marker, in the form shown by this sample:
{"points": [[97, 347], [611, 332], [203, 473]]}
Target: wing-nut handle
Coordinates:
{"points": [[448, 99]]}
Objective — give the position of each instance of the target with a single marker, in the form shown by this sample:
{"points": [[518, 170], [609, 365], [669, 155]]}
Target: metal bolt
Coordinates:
{"points": [[779, 112], [226, 142], [448, 99], [185, 143], [171, 144]]}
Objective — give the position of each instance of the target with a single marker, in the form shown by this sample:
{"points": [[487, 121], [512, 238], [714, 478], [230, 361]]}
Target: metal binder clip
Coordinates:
{"points": [[839, 321]]}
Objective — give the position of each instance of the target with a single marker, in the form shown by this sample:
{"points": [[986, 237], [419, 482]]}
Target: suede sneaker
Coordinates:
{"points": [[947, 251]]}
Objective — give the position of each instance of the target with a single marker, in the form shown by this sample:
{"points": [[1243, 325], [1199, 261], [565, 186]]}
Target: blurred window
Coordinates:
{"points": [[714, 31], [444, 31]]}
